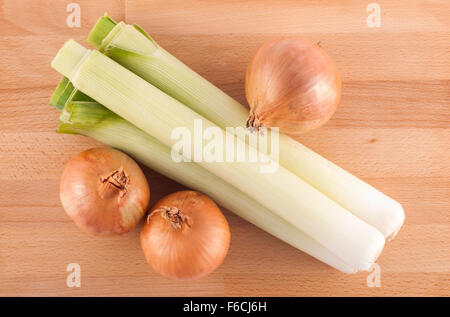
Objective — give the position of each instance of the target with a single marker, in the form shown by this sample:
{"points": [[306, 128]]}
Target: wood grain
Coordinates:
{"points": [[392, 129]]}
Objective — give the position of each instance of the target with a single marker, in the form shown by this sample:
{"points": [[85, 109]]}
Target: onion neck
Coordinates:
{"points": [[174, 216], [113, 184], [253, 122]]}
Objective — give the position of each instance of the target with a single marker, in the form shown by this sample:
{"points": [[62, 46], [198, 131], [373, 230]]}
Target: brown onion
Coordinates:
{"points": [[104, 191], [293, 85], [186, 236]]}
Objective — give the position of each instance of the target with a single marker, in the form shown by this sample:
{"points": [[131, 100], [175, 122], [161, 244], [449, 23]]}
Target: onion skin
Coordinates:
{"points": [[293, 85], [191, 249], [104, 191]]}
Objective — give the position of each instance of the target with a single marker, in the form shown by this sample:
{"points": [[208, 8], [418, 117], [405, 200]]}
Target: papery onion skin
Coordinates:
{"points": [[293, 85], [195, 248], [104, 191]]}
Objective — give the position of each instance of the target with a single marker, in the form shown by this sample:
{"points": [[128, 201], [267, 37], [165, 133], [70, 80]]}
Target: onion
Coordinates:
{"points": [[186, 236], [293, 85], [104, 191]]}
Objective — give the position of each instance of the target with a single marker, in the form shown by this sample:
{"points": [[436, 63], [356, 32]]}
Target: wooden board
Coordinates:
{"points": [[392, 129]]}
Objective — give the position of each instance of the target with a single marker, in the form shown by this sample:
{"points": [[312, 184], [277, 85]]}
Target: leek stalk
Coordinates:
{"points": [[354, 241], [82, 115], [133, 48]]}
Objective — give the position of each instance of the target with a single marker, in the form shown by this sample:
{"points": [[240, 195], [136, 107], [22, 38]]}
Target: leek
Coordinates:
{"points": [[82, 115], [354, 241], [133, 48]]}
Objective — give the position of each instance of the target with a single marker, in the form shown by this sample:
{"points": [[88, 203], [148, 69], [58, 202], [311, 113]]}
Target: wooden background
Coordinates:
{"points": [[391, 129]]}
